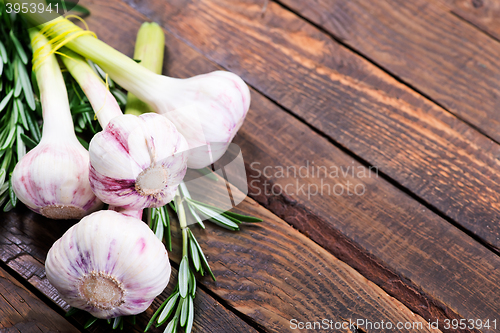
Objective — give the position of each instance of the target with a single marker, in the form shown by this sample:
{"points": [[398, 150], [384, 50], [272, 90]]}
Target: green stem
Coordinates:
{"points": [[181, 213], [149, 48], [102, 101], [125, 71], [57, 121]]}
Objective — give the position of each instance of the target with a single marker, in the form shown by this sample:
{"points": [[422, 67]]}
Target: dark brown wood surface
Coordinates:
{"points": [[280, 303], [407, 100], [25, 239], [388, 236], [21, 311], [447, 163], [483, 14]]}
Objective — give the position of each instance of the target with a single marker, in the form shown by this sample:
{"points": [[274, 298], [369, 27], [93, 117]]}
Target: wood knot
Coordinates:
{"points": [[477, 3]]}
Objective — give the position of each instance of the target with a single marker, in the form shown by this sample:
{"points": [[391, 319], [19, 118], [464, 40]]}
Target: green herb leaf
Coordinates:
{"points": [[202, 255], [71, 312], [3, 173], [192, 286], [30, 144], [184, 276], [6, 100], [171, 204], [83, 142], [207, 172], [19, 48], [216, 218], [22, 114], [172, 326], [194, 255], [12, 195], [190, 319], [4, 188], [21, 147], [90, 322], [168, 308], [10, 138], [184, 311], [3, 53], [116, 322], [27, 88]]}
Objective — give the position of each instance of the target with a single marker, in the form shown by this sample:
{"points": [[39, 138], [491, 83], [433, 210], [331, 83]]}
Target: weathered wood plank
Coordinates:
{"points": [[364, 293], [413, 141], [22, 311], [289, 276], [34, 235], [484, 14], [425, 45], [388, 237]]}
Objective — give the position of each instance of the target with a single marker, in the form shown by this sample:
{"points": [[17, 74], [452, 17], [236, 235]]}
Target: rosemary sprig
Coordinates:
{"points": [[178, 308], [18, 121]]}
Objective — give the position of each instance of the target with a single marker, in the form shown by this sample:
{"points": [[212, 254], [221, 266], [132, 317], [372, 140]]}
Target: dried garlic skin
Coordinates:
{"points": [[137, 162], [53, 180], [109, 265]]}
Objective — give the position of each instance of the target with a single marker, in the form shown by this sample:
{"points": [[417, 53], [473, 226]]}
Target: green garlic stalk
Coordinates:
{"points": [[149, 49]]}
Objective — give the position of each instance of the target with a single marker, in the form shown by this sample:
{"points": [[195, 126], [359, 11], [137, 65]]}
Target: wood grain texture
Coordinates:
{"points": [[434, 268], [484, 14], [30, 236], [273, 274], [424, 44], [424, 148], [252, 291], [430, 266], [21, 311]]}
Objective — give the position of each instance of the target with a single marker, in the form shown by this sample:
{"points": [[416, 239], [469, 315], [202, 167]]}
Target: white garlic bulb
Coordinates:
{"points": [[109, 265], [208, 110], [136, 161], [53, 178]]}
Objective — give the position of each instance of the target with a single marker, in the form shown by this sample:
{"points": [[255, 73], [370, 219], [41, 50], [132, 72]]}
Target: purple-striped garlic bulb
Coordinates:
{"points": [[53, 178], [136, 161], [109, 265]]}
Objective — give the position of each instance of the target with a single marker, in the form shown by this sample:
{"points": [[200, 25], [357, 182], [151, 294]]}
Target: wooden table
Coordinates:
{"points": [[402, 98]]}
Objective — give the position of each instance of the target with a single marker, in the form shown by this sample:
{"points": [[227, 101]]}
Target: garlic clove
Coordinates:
{"points": [[137, 162], [108, 264]]}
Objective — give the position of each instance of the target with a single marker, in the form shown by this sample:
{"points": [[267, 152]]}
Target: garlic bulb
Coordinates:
{"points": [[53, 178], [207, 109], [136, 161], [108, 264]]}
